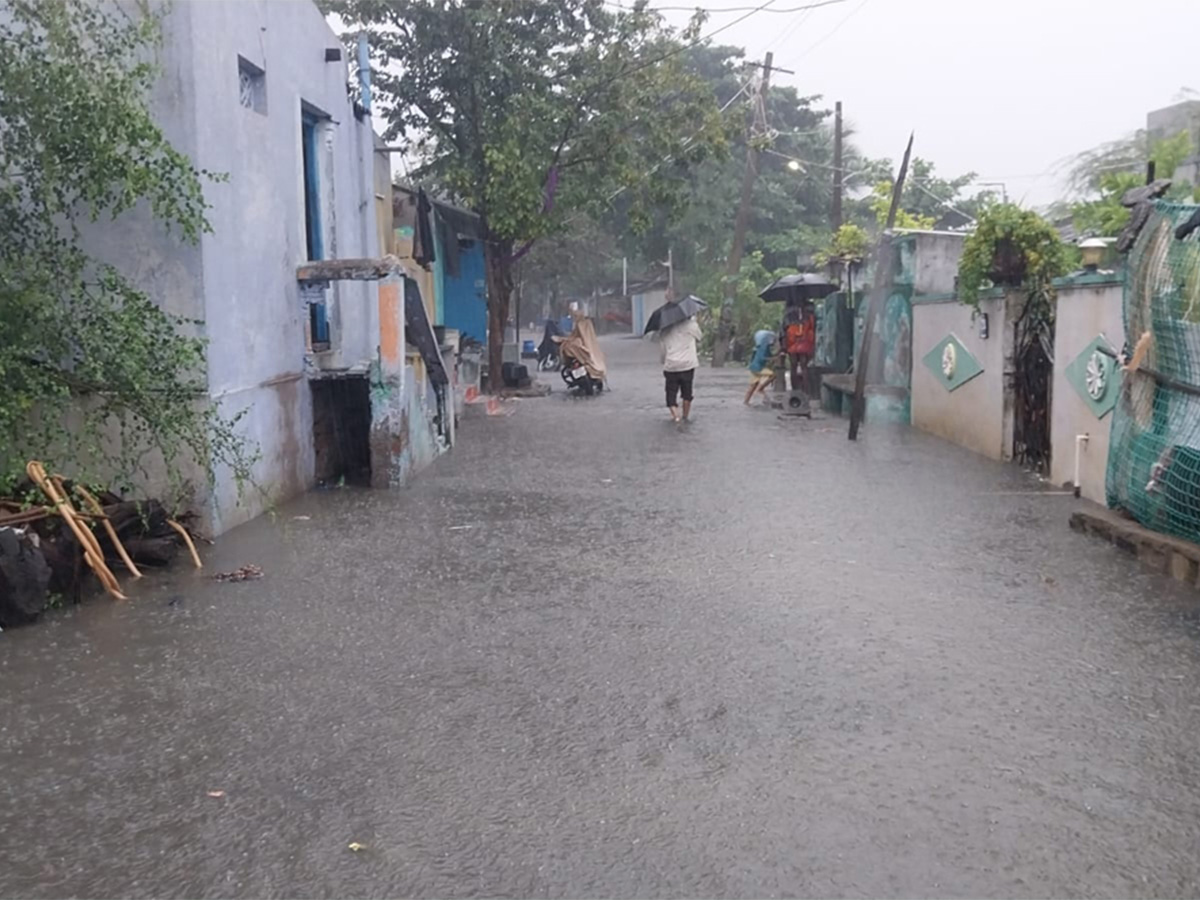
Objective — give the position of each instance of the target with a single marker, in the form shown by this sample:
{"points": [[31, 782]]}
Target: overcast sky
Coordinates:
{"points": [[1005, 88]]}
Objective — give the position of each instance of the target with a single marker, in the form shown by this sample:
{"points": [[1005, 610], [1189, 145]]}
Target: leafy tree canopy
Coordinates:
{"points": [[529, 113], [95, 376]]}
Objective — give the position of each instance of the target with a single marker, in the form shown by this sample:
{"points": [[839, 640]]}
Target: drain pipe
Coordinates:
{"points": [[1080, 441], [364, 71]]}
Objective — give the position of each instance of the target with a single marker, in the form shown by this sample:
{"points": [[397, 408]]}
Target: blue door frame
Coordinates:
{"points": [[318, 315]]}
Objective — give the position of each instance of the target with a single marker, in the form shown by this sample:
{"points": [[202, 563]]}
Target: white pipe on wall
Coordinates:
{"points": [[1080, 441]]}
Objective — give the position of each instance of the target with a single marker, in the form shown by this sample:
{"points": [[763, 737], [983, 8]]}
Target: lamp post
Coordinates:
{"points": [[1093, 253]]}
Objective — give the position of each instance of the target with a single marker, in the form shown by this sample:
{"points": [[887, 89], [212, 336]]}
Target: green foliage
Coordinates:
{"points": [[95, 376], [881, 204], [1012, 247], [750, 312], [1105, 216], [850, 244]]}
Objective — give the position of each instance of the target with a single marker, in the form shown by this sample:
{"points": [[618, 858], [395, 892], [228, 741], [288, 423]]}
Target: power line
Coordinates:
{"points": [[683, 48], [836, 28], [726, 9]]}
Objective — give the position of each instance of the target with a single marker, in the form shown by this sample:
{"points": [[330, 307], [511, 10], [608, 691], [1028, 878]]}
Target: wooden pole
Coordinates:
{"points": [[740, 224], [883, 258]]}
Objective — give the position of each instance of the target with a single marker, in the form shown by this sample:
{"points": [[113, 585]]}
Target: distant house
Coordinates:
{"points": [[645, 296], [308, 349], [455, 274]]}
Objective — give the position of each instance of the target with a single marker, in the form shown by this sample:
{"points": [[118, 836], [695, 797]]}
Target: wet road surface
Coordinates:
{"points": [[593, 654]]}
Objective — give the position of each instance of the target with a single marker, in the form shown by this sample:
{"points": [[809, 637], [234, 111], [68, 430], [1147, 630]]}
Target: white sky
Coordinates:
{"points": [[1005, 88]]}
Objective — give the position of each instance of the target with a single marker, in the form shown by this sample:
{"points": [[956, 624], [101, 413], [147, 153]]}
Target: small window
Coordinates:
{"points": [[252, 86]]}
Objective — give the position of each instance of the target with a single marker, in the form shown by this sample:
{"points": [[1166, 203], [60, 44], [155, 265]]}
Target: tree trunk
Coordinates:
{"points": [[497, 260]]}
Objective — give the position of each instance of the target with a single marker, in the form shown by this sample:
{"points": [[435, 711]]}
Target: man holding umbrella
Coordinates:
{"points": [[799, 329], [679, 335]]}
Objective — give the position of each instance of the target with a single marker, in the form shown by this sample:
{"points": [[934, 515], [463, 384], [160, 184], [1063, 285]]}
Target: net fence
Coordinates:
{"points": [[1154, 452]]}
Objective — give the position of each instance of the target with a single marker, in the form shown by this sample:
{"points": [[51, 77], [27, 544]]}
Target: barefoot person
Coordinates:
{"points": [[680, 359], [761, 374]]}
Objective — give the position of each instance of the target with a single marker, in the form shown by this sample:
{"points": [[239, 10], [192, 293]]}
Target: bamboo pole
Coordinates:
{"points": [[91, 548], [187, 539], [98, 510]]}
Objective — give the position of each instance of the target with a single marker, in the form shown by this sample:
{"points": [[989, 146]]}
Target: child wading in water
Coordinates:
{"points": [[761, 374]]}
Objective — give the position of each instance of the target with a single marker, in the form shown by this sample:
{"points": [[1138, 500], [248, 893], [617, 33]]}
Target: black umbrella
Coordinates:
{"points": [[674, 312], [798, 288]]}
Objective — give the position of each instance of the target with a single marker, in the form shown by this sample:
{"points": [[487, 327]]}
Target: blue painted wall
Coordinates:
{"points": [[464, 297]]}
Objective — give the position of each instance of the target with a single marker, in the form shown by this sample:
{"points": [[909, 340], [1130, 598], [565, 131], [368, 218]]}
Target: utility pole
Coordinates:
{"points": [[757, 131], [883, 266], [838, 175]]}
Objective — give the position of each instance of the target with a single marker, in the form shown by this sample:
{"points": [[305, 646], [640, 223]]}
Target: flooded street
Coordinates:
{"points": [[589, 653]]}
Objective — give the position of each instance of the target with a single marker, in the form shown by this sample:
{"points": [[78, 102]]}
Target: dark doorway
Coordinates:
{"points": [[1033, 369], [342, 430]]}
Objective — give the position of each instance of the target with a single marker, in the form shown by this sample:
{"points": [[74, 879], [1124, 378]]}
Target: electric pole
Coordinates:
{"points": [[756, 133], [838, 176]]}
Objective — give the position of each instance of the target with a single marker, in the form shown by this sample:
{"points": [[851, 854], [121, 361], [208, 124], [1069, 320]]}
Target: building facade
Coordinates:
{"points": [[314, 362]]}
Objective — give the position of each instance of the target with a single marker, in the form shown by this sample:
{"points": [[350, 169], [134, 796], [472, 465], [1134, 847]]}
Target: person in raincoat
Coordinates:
{"points": [[761, 373]]}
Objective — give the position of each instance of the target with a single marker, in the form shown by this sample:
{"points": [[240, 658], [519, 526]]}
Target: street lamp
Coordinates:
{"points": [[1093, 253]]}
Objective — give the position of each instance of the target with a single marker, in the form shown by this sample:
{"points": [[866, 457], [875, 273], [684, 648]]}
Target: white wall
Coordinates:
{"points": [[254, 315], [1083, 313], [973, 414]]}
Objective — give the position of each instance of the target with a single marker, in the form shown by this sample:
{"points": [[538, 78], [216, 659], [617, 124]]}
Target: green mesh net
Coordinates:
{"points": [[1154, 452]]}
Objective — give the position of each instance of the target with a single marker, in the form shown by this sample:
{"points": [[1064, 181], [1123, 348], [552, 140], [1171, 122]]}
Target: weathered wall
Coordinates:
{"points": [[464, 301], [1086, 311], [972, 415], [928, 261], [255, 319]]}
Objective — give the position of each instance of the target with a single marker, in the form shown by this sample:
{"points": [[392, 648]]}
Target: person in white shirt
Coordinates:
{"points": [[680, 359]]}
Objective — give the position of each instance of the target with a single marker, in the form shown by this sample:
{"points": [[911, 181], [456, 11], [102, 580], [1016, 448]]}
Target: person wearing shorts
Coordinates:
{"points": [[761, 374], [680, 359]]}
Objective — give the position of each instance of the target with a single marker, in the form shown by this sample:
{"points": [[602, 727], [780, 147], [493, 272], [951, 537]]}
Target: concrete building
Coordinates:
{"points": [[314, 362], [1168, 122]]}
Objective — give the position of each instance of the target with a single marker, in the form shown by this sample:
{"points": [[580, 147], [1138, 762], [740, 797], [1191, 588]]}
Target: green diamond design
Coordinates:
{"points": [[951, 363], [1094, 376]]}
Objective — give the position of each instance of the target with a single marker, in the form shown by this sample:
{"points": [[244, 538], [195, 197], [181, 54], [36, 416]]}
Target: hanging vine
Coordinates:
{"points": [[95, 378], [1017, 249], [1010, 247]]}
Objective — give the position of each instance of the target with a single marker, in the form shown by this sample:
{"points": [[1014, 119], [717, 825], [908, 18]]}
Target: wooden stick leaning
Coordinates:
{"points": [[187, 539], [98, 511], [91, 548]]}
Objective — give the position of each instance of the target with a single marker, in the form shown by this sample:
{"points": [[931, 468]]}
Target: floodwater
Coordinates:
{"points": [[592, 654]]}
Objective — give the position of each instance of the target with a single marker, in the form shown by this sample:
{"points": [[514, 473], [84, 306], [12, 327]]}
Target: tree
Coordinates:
{"points": [[93, 373], [1105, 215], [528, 112]]}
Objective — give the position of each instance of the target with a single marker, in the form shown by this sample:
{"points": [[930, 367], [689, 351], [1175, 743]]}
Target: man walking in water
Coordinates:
{"points": [[680, 360]]}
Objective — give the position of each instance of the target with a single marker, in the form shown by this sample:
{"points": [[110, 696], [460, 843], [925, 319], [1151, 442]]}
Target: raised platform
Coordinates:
{"points": [[884, 402], [1162, 554]]}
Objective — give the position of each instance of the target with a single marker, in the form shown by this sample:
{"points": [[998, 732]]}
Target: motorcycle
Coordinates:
{"points": [[548, 356], [583, 367]]}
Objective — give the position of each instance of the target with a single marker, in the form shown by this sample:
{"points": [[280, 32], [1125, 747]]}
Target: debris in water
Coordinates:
{"points": [[245, 573], [216, 795], [496, 408]]}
